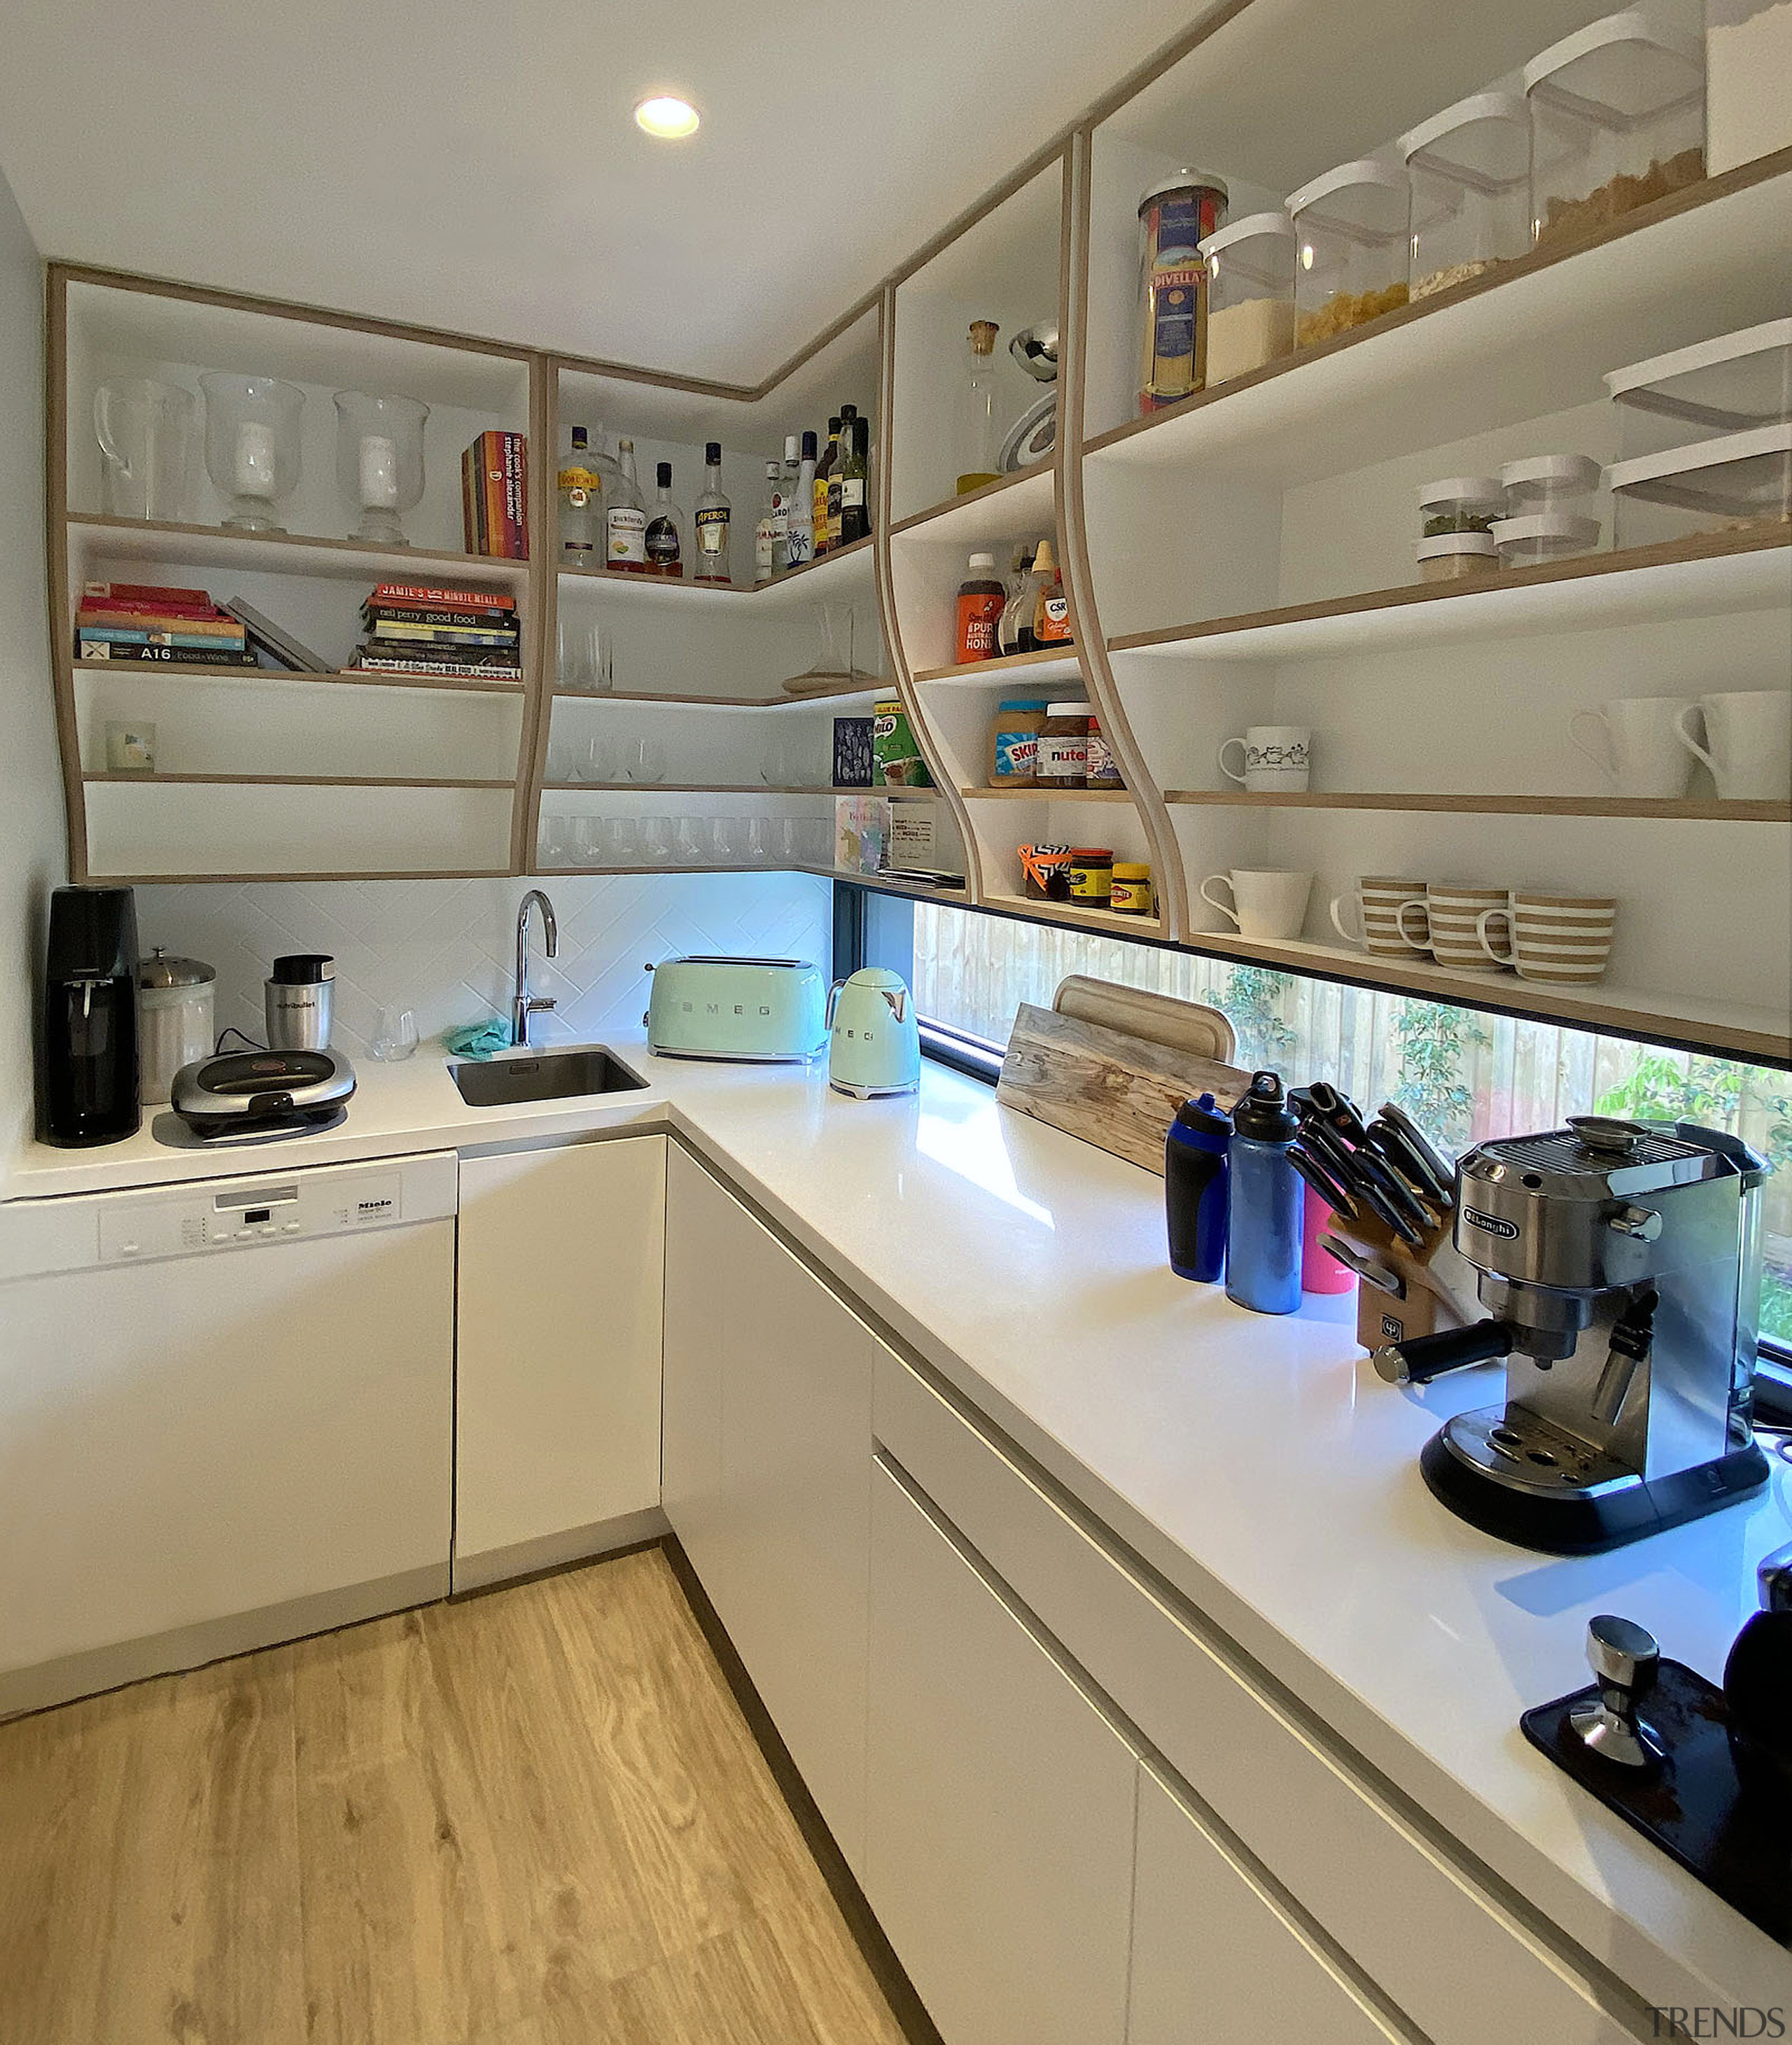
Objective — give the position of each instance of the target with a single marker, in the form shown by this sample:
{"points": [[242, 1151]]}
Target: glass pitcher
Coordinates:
{"points": [[145, 434]]}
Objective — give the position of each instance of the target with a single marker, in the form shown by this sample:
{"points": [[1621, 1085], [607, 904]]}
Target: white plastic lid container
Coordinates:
{"points": [[1250, 294], [1725, 385], [1469, 168], [1459, 504], [1737, 483], [1351, 261], [1748, 81], [1617, 119], [1543, 536], [1546, 482], [1448, 556]]}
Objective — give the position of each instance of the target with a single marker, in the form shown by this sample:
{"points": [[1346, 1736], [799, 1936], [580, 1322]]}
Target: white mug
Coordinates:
{"points": [[1749, 733], [1277, 758], [1642, 752], [1266, 902]]}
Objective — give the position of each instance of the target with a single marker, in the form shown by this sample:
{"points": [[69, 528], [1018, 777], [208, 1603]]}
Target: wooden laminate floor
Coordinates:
{"points": [[535, 1818]]}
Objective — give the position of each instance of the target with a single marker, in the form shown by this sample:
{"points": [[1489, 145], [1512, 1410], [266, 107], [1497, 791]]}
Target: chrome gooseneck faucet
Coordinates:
{"points": [[523, 1004]]}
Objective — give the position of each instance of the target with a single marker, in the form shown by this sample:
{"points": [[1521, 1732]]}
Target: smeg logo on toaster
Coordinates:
{"points": [[1490, 1224]]}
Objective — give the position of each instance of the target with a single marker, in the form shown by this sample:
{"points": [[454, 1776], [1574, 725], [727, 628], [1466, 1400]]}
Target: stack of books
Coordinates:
{"points": [[146, 622], [494, 496], [416, 628]]}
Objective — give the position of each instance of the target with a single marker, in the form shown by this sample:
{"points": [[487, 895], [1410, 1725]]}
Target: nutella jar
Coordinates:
{"points": [[1064, 747]]}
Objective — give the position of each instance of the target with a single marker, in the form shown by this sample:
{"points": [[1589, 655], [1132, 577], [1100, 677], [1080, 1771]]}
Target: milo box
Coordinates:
{"points": [[896, 756]]}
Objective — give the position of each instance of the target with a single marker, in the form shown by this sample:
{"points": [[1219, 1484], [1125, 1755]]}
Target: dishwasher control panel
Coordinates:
{"points": [[240, 1213]]}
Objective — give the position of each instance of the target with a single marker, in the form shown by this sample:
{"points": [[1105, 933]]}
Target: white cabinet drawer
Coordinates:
{"points": [[1463, 1970]]}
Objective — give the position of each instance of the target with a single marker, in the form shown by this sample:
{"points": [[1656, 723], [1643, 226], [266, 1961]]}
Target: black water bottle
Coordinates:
{"points": [[1195, 1189]]}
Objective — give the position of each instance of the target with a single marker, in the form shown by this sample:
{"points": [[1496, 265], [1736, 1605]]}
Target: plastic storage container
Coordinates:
{"points": [[1748, 80], [1014, 760], [1737, 483], [1617, 119], [1250, 294], [1537, 537], [1725, 385], [1351, 256], [1451, 556], [1547, 482], [1469, 171], [1460, 504]]}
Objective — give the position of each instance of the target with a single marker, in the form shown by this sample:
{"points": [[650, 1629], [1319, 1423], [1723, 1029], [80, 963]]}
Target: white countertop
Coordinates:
{"points": [[1256, 1461]]}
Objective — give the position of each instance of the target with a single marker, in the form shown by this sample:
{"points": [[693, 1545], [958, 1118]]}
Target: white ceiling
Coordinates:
{"points": [[476, 166]]}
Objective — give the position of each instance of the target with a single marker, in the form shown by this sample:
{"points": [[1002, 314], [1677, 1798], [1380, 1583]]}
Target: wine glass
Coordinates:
{"points": [[762, 837], [395, 1035], [691, 841], [587, 834], [655, 834], [620, 845], [644, 761], [555, 842]]}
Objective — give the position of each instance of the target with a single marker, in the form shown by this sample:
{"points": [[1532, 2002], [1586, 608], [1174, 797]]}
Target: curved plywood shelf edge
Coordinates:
{"points": [[882, 536], [1073, 551]]}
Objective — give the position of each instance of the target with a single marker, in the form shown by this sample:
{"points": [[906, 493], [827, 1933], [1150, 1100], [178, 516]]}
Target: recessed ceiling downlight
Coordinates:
{"points": [[670, 119]]}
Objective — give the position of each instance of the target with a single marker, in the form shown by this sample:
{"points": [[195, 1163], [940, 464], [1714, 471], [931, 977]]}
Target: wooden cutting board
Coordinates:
{"points": [[1118, 1092], [1137, 1011]]}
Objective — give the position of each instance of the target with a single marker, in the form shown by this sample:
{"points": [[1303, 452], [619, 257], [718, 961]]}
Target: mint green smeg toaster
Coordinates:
{"points": [[757, 1010]]}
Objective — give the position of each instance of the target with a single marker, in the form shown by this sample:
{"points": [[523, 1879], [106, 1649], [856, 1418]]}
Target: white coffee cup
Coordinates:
{"points": [[1749, 735], [1639, 749], [1276, 759], [1266, 902]]}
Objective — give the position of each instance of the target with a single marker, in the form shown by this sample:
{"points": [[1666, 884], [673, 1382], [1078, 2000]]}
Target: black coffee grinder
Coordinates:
{"points": [[90, 1017]]}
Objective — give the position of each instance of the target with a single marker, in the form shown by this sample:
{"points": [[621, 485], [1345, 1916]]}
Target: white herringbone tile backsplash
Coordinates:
{"points": [[446, 949]]}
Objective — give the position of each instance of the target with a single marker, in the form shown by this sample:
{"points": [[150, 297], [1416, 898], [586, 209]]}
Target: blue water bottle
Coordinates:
{"points": [[1264, 1223], [1195, 1189]]}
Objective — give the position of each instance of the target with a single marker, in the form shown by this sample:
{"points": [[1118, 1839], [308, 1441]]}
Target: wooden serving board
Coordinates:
{"points": [[1137, 1011], [1118, 1092]]}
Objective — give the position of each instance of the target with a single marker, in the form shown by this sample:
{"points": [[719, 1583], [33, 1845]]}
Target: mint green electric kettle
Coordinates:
{"points": [[875, 1045]]}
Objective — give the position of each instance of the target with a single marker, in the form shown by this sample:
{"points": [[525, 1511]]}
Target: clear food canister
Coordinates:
{"points": [[1469, 168], [1460, 504], [1725, 385], [1617, 119], [1175, 216], [1748, 81], [1352, 259], [1738, 482], [1250, 294], [1548, 482], [1537, 537]]}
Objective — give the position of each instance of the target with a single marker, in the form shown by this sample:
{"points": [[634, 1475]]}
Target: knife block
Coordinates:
{"points": [[1439, 1289]]}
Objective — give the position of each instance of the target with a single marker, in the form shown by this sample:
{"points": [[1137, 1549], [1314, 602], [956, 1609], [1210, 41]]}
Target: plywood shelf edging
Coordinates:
{"points": [[299, 543], [1683, 809], [347, 677], [1038, 792], [1044, 660], [292, 781]]}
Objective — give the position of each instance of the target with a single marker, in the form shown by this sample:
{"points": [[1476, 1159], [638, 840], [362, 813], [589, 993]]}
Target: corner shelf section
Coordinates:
{"points": [[1045, 664], [161, 543]]}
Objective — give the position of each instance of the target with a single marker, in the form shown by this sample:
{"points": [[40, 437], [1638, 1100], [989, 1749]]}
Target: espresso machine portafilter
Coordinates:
{"points": [[1621, 1264]]}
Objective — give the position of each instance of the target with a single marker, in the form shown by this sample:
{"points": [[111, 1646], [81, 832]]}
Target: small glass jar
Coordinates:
{"points": [[1748, 60], [1547, 482], [1175, 216], [1045, 872], [1131, 892], [1091, 875], [1351, 261], [1469, 168], [1739, 482], [1451, 556], [1064, 747], [1460, 504], [1250, 295], [1617, 120], [1538, 537]]}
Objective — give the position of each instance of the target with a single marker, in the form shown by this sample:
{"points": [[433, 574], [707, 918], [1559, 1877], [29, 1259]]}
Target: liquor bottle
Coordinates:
{"points": [[848, 429], [581, 494], [802, 507], [665, 529], [625, 519], [713, 516], [825, 470], [854, 501], [979, 412], [766, 535], [781, 540]]}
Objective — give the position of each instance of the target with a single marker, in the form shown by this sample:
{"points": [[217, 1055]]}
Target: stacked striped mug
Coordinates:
{"points": [[1557, 939]]}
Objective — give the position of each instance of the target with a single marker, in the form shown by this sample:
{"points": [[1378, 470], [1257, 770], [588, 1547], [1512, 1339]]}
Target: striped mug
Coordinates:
{"points": [[1379, 898], [1561, 940], [1453, 914]]}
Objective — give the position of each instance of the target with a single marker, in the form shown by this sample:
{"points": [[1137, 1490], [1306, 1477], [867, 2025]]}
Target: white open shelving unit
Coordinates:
{"points": [[1243, 557]]}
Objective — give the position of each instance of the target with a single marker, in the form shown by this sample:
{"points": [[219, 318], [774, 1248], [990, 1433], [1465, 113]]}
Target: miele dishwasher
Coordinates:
{"points": [[226, 1416]]}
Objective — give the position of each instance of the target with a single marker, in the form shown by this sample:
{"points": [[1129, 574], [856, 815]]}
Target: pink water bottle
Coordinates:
{"points": [[1320, 1272]]}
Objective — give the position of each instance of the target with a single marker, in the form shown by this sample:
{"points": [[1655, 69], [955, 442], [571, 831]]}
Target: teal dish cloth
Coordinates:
{"points": [[477, 1040]]}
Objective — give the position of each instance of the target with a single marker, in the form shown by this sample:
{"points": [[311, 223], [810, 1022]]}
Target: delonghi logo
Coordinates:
{"points": [[1490, 1224]]}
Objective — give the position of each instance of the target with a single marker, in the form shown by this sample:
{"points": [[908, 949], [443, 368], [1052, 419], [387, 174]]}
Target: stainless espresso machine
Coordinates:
{"points": [[1620, 1262]]}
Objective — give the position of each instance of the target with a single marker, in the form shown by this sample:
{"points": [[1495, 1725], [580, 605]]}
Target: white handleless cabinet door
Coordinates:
{"points": [[557, 1372], [1214, 1956], [768, 1448], [1000, 1804]]}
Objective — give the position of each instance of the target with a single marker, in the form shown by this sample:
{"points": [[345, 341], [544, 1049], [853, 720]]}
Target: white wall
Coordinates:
{"points": [[446, 949], [32, 855]]}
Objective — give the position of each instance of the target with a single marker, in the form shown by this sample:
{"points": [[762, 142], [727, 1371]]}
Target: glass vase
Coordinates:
{"points": [[379, 462], [252, 446]]}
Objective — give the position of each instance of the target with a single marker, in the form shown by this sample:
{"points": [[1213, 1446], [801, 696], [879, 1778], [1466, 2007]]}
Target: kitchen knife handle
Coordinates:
{"points": [[1422, 1357]]}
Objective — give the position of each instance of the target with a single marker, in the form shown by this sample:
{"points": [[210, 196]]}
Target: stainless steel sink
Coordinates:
{"points": [[544, 1076]]}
